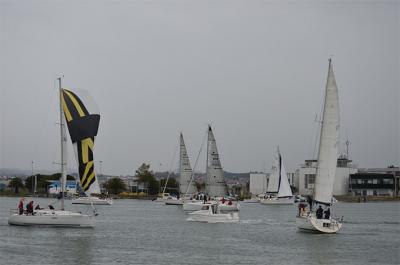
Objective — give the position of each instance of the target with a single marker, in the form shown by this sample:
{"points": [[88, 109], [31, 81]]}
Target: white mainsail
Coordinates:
{"points": [[329, 141], [185, 171], [273, 180], [284, 187], [215, 184]]}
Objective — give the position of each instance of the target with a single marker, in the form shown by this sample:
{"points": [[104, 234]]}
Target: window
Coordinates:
{"points": [[375, 193], [309, 179], [369, 181], [375, 181], [387, 181]]}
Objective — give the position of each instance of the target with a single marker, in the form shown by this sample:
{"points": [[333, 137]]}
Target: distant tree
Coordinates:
{"points": [[146, 176], [201, 187], [16, 184], [172, 185], [115, 185]]}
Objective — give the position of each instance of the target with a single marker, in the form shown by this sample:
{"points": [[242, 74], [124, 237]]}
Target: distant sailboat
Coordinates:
{"points": [[216, 187], [326, 167], [215, 182], [61, 218], [278, 190], [186, 186]]}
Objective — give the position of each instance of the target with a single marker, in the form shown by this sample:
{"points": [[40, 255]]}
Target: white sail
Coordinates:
{"points": [[329, 141], [215, 185], [284, 187], [185, 171], [273, 180]]}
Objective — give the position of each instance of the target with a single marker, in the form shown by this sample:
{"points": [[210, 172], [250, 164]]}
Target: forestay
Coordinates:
{"points": [[329, 141]]}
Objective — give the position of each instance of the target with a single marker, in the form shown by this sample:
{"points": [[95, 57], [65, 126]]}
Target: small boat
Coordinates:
{"points": [[255, 199], [210, 213], [279, 191], [162, 198], [82, 126], [92, 200], [172, 200], [326, 168]]}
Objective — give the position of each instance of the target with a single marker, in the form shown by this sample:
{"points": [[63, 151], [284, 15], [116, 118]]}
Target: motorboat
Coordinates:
{"points": [[210, 213]]}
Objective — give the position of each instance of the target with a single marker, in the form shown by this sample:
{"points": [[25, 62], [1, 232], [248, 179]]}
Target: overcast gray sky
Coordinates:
{"points": [[254, 69]]}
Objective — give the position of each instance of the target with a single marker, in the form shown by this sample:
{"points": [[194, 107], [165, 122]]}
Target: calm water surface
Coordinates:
{"points": [[145, 232]]}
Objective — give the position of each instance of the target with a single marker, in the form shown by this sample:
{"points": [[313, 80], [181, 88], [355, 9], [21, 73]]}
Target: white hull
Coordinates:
{"points": [[277, 201], [254, 200], [173, 202], [94, 200], [311, 224], [52, 218], [192, 205], [205, 216], [225, 207]]}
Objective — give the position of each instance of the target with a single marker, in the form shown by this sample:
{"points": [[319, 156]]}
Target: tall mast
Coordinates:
{"points": [[208, 147], [63, 146]]}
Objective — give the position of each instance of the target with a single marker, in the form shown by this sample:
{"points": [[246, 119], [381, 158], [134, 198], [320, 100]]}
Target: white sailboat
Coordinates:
{"points": [[187, 187], [59, 218], [326, 168], [216, 187], [278, 190]]}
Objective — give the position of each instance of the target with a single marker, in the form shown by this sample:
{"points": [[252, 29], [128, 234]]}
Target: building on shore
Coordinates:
{"points": [[375, 182], [305, 176], [258, 183]]}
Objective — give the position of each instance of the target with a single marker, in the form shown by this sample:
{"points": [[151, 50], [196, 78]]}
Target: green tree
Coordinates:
{"points": [[200, 186], [172, 185], [146, 176], [115, 185], [16, 184]]}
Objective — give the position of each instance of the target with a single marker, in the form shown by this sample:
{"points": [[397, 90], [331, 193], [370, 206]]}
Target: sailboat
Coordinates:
{"points": [[187, 187], [83, 132], [326, 166], [216, 187], [278, 190]]}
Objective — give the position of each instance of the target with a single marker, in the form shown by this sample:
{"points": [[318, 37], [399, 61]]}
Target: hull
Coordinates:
{"points": [[277, 201], [206, 217], [94, 200], [52, 218], [192, 206], [311, 224], [254, 200], [225, 207], [173, 202]]}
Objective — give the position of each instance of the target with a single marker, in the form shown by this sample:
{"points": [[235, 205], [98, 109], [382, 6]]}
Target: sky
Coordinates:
{"points": [[255, 70]]}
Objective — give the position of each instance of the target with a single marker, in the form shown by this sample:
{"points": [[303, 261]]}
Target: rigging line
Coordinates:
{"points": [[170, 167], [196, 162]]}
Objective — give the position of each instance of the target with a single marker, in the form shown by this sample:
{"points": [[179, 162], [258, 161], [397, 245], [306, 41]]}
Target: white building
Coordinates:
{"points": [[258, 183], [305, 178]]}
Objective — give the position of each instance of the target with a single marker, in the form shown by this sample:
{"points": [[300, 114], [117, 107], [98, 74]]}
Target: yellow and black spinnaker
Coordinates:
{"points": [[82, 126]]}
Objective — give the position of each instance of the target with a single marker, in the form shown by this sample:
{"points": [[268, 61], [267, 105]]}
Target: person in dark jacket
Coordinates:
{"points": [[21, 206], [327, 213], [320, 212], [29, 208]]}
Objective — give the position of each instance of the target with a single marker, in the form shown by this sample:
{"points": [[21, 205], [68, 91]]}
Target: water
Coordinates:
{"points": [[145, 232]]}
